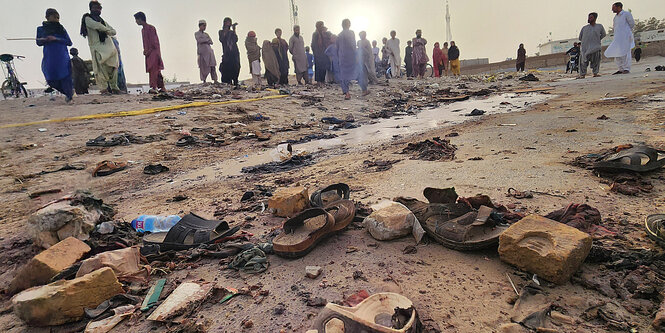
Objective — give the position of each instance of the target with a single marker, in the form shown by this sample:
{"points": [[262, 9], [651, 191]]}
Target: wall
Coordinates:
{"points": [[553, 60]]}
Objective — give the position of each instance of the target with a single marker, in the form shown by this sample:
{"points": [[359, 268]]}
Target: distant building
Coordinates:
{"points": [[561, 46]]}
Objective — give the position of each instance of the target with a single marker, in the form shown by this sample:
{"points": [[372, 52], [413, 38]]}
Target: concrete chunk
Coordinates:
{"points": [[182, 298], [42, 267], [390, 220], [548, 248], [63, 301], [287, 202]]}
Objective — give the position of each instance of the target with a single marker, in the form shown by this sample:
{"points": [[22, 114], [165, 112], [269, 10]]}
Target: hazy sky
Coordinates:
{"points": [[481, 28]]}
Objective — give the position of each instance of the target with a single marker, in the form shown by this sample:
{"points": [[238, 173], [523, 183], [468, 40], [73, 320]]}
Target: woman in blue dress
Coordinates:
{"points": [[56, 64]]}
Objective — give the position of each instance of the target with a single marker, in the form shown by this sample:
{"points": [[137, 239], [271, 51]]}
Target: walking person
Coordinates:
{"points": [[56, 66], [230, 67], [438, 60], [153, 54], [394, 57], [297, 50], [348, 61], [453, 59], [624, 41], [205, 54], [80, 74], [271, 63], [419, 55], [408, 59], [254, 57], [320, 42], [104, 53], [591, 36], [367, 67], [521, 58], [333, 55]]}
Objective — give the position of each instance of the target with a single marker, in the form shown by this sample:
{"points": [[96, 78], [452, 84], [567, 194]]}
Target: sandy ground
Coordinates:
{"points": [[460, 292]]}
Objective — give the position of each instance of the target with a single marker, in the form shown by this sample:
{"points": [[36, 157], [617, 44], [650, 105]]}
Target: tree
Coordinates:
{"points": [[645, 25]]}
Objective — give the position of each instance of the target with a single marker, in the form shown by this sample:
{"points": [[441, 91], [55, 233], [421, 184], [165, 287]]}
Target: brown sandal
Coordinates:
{"points": [[302, 232], [343, 212], [106, 168]]}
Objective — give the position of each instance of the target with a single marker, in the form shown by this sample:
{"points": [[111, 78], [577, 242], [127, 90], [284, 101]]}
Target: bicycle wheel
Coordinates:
{"points": [[6, 89], [429, 71]]}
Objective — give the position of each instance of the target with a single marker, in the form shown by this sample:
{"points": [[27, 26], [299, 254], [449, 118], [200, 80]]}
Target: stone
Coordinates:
{"points": [[287, 202], [552, 250], [390, 220], [313, 272], [512, 328], [60, 220], [64, 301], [659, 320], [184, 297], [47, 264]]}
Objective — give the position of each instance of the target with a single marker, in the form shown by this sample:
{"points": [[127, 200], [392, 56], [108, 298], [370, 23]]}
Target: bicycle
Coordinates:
{"points": [[429, 71], [12, 86]]}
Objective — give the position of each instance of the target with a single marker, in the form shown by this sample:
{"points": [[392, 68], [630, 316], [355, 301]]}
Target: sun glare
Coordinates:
{"points": [[359, 23]]}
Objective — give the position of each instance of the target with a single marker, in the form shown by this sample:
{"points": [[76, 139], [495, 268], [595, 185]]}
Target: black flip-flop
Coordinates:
{"points": [[186, 141], [191, 231], [154, 169], [342, 190], [633, 159]]}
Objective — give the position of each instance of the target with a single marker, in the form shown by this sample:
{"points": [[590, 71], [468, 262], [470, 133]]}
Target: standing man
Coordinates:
{"points": [[297, 50], [419, 55], [230, 67], [254, 57], [445, 57], [281, 48], [333, 55], [367, 66], [394, 58], [206, 55], [104, 53], [55, 63], [152, 52], [348, 61], [590, 36], [320, 42], [408, 59], [521, 58], [623, 41], [453, 58], [375, 52], [80, 73]]}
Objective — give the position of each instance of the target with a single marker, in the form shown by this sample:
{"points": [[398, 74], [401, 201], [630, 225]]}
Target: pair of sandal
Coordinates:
{"points": [[455, 225], [332, 212], [636, 159]]}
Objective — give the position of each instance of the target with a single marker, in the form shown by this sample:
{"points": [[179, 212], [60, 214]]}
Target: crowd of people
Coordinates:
{"points": [[334, 58]]}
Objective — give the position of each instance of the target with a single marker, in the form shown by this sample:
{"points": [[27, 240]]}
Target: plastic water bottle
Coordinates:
{"points": [[154, 223]]}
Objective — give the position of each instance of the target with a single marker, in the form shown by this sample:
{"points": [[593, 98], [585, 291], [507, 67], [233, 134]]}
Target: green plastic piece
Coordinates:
{"points": [[153, 295]]}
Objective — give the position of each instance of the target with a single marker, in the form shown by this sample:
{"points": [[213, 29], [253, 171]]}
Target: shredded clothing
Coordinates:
{"points": [[105, 58], [394, 57], [591, 36], [230, 67]]}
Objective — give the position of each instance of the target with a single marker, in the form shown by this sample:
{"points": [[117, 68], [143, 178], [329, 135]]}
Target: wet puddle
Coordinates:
{"points": [[382, 130]]}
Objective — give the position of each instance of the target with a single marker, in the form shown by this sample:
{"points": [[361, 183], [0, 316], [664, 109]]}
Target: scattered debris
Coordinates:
{"points": [[431, 150]]}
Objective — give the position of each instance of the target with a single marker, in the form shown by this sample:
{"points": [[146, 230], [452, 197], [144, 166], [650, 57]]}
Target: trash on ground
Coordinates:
{"points": [[431, 150], [185, 297]]}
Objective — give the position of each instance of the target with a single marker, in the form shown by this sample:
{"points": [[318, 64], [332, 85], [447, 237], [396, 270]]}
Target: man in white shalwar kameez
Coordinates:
{"points": [[395, 60], [297, 50], [623, 42]]}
